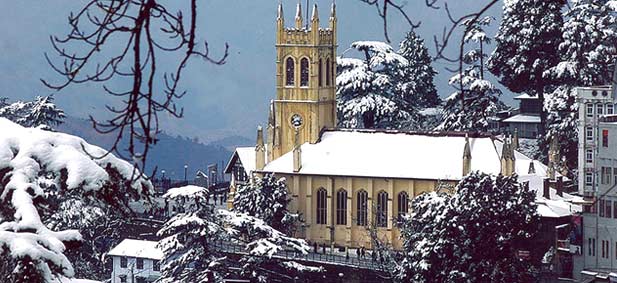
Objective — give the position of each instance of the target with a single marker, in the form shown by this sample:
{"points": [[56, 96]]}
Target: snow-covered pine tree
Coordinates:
{"points": [[446, 239], [587, 55], [366, 96], [52, 188], [475, 99], [267, 198], [415, 84], [42, 112], [527, 45], [196, 240]]}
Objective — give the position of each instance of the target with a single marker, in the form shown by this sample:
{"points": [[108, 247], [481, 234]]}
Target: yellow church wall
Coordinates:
{"points": [[303, 189]]}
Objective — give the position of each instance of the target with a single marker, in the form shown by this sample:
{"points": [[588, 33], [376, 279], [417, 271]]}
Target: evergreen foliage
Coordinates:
{"points": [[415, 84], [472, 235], [42, 112]]}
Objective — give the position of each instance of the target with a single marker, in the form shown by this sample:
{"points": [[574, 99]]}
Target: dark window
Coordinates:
{"points": [[123, 262], [589, 246], [362, 207], [322, 198], [593, 247], [320, 73], [609, 207], [601, 211], [140, 263], [156, 265], [341, 207], [382, 209], [328, 72], [605, 138], [403, 204], [122, 278], [304, 72], [290, 66], [141, 280], [589, 112]]}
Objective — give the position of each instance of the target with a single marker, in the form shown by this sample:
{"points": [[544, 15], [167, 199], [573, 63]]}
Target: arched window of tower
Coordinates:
{"points": [[362, 208], [320, 73], [341, 207], [290, 66], [328, 70], [382, 209], [304, 72], [321, 215]]}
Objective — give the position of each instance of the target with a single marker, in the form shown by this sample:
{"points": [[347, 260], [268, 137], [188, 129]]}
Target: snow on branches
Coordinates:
{"points": [[446, 239], [39, 172], [42, 112]]}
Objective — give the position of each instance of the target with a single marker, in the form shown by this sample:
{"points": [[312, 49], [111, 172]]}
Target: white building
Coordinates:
{"points": [[597, 165], [135, 261]]}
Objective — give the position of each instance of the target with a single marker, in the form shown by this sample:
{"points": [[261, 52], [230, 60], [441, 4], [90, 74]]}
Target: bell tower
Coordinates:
{"points": [[305, 81]]}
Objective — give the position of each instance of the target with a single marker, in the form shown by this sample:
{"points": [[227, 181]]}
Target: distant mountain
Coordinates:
{"points": [[231, 142], [169, 154]]}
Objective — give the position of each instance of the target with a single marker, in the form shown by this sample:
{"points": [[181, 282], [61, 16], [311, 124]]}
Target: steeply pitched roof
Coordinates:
{"points": [[246, 155], [433, 156], [137, 248]]}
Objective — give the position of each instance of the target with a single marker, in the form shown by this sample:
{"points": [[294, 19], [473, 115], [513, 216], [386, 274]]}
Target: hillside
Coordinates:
{"points": [[169, 154]]}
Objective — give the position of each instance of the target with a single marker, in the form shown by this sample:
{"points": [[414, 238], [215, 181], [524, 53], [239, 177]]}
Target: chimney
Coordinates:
{"points": [[466, 157], [505, 158], [260, 150], [559, 186], [297, 152], [515, 144], [546, 188], [532, 168]]}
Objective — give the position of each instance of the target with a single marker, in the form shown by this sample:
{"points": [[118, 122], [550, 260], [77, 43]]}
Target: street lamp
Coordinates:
{"points": [[163, 174], [186, 167]]}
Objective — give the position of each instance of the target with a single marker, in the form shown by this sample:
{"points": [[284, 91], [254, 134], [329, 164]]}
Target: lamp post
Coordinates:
{"points": [[186, 167], [162, 174]]}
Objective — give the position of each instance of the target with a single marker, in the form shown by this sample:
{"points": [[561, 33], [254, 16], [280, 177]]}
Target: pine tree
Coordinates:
{"points": [[41, 112], [527, 45], [366, 94], [267, 198], [587, 54], [415, 84], [476, 99], [446, 239]]}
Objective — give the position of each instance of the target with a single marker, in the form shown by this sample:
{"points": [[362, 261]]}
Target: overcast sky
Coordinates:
{"points": [[222, 100]]}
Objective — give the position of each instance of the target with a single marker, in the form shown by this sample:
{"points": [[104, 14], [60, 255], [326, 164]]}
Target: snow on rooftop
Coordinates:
{"points": [[189, 190], [73, 280], [247, 158], [523, 118], [137, 248], [399, 155], [525, 96]]}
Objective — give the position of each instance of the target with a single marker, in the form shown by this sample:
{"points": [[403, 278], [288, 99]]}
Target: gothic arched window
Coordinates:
{"points": [[403, 204], [328, 71], [362, 208], [322, 198], [304, 72], [382, 209], [290, 66], [341, 207], [320, 73]]}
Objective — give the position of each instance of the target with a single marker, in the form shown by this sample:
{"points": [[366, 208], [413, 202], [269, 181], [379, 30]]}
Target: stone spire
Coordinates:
{"points": [[270, 133], [315, 18], [466, 156], [280, 15], [515, 143], [532, 168], [297, 152], [333, 17], [260, 150], [299, 15], [507, 157]]}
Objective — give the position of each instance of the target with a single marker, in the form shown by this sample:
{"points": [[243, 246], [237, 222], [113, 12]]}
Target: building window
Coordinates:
{"points": [[588, 179], [609, 109], [589, 112], [290, 66], [614, 175], [362, 207], [593, 247], [608, 211], [123, 278], [589, 246], [588, 134], [600, 109], [605, 176], [605, 138], [123, 262], [320, 73], [304, 72], [322, 198], [140, 263], [602, 249], [589, 156], [328, 72], [341, 207], [402, 204], [382, 209], [156, 265], [140, 280], [601, 208]]}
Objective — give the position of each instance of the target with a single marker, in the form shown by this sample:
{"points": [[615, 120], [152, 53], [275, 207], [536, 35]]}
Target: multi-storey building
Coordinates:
{"points": [[597, 159], [135, 261]]}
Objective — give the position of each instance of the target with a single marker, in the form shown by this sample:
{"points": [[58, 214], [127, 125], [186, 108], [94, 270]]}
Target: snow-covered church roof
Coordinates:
{"points": [[246, 155], [393, 154]]}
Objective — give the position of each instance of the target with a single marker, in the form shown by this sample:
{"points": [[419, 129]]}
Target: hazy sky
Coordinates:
{"points": [[222, 100]]}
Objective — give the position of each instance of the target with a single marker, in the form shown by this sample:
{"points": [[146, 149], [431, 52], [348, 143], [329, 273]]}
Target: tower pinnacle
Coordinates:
{"points": [[299, 15]]}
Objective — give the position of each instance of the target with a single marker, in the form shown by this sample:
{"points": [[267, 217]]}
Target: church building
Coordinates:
{"points": [[344, 180]]}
